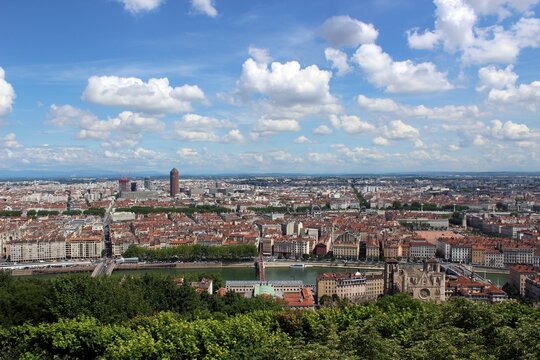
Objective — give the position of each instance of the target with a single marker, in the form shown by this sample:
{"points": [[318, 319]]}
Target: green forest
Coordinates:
{"points": [[150, 317]]}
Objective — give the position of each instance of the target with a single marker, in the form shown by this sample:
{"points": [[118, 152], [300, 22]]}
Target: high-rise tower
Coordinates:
{"points": [[174, 182], [123, 185]]}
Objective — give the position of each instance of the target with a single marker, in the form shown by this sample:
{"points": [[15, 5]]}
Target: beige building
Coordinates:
{"points": [[84, 248], [374, 285], [425, 283], [344, 285], [21, 251], [519, 274], [478, 255], [346, 250]]}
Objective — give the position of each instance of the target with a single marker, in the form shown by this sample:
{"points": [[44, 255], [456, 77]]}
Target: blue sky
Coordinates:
{"points": [[270, 86]]}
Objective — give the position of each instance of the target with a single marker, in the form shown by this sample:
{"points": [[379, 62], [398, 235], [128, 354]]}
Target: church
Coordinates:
{"points": [[425, 283]]}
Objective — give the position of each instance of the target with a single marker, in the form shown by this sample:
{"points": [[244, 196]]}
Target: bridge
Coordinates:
{"points": [[104, 268], [463, 270]]}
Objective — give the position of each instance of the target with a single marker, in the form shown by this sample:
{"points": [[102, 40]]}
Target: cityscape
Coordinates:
{"points": [[253, 179]]}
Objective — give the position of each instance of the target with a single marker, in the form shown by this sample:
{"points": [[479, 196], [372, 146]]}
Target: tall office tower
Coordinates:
{"points": [[133, 186], [174, 182], [123, 184], [148, 184]]}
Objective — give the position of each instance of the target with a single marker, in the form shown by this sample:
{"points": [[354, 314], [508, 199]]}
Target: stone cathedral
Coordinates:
{"points": [[424, 283]]}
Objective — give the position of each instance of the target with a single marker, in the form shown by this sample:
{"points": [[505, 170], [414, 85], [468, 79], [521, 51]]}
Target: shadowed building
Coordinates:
{"points": [[174, 182]]}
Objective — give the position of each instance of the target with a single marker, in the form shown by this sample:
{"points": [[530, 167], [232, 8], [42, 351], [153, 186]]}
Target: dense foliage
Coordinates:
{"points": [[193, 252], [395, 327], [112, 299], [9, 213], [183, 210]]}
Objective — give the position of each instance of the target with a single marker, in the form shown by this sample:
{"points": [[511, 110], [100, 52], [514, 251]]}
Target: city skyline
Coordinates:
{"points": [[225, 87]]}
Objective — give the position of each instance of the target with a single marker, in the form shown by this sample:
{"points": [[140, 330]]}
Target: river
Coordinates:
{"points": [[308, 275]]}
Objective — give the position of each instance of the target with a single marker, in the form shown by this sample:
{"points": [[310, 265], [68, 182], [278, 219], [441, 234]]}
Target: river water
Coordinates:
{"points": [[307, 275]]}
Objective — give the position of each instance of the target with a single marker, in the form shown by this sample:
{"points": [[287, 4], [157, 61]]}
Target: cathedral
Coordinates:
{"points": [[425, 283]]}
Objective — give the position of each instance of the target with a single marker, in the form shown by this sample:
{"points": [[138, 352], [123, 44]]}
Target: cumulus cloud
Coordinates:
{"points": [[526, 95], [139, 6], [346, 31], [194, 127], [322, 130], [204, 7], [338, 59], [302, 140], [502, 87], [287, 89], [398, 130], [456, 28], [234, 136], [501, 7], [187, 152], [125, 124], [510, 131], [286, 83], [260, 55], [155, 96], [127, 128], [399, 76], [351, 124], [447, 112], [380, 141], [490, 77], [7, 95], [266, 127], [10, 141]]}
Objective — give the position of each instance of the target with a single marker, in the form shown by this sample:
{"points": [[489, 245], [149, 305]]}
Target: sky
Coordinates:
{"points": [[257, 86]]}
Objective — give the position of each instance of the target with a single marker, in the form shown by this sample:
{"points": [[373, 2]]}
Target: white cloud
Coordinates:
{"points": [[346, 31], [448, 112], [380, 141], [399, 76], [453, 147], [196, 135], [510, 131], [453, 27], [7, 94], [491, 77], [271, 126], [156, 95], [322, 130], [479, 140], [525, 95], [187, 152], [234, 136], [261, 56], [456, 28], [195, 121], [398, 130], [501, 84], [126, 123], [139, 6], [501, 7], [67, 115], [359, 154], [204, 7], [10, 141], [351, 124], [302, 140], [125, 129], [194, 127], [338, 59], [287, 83]]}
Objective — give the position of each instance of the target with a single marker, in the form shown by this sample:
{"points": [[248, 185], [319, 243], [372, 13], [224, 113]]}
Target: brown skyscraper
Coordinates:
{"points": [[175, 182]]}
